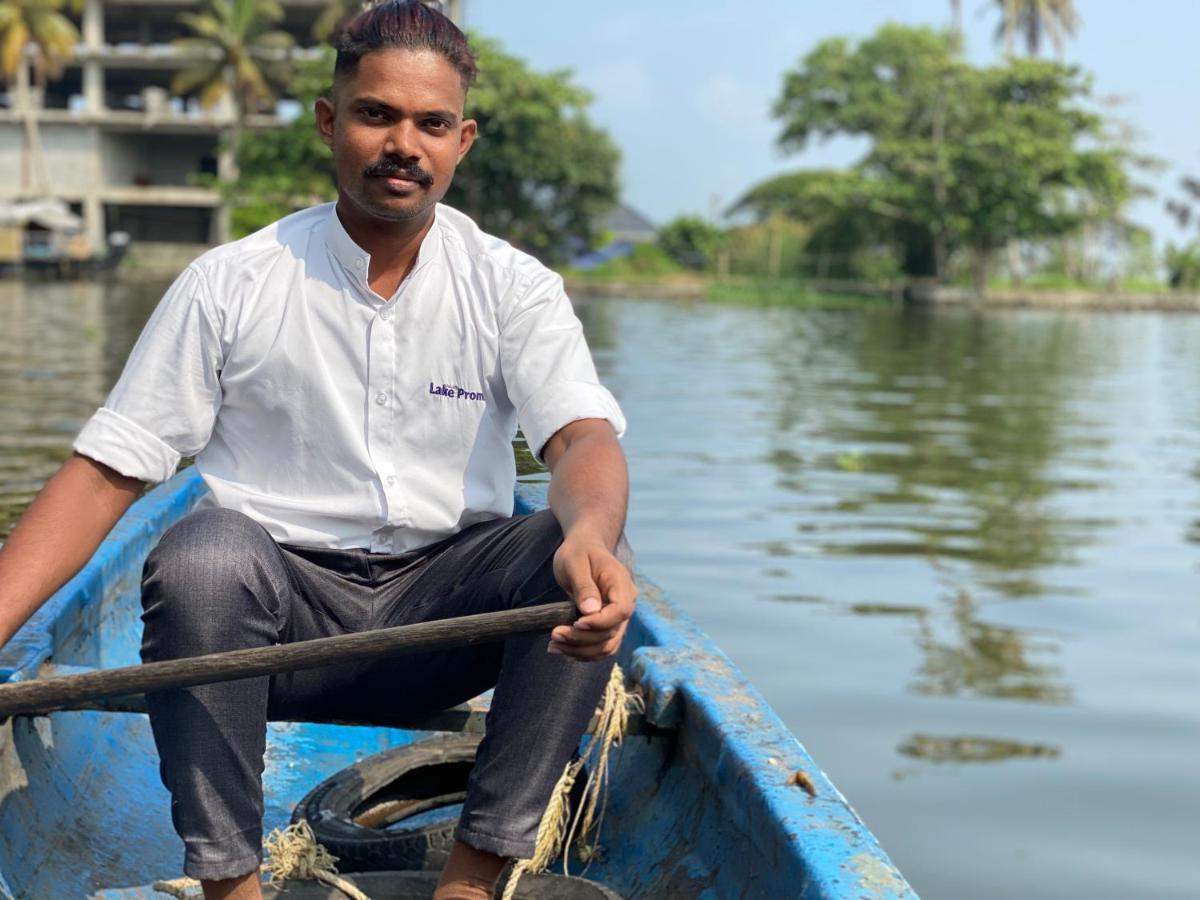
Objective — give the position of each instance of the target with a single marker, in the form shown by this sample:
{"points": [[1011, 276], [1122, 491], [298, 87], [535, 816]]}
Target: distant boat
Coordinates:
{"points": [[711, 796], [43, 237]]}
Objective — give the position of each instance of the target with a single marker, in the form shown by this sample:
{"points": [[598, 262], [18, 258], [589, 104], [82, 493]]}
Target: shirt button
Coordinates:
{"points": [[381, 398], [385, 313], [358, 264], [391, 481]]}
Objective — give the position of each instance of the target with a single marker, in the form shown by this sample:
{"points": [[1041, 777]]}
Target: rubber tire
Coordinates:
{"points": [[433, 771]]}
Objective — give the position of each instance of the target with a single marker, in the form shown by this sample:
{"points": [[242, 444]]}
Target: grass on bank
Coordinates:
{"points": [[648, 266]]}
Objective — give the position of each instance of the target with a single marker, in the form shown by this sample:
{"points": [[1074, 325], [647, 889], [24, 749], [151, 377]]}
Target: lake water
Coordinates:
{"points": [[957, 552]]}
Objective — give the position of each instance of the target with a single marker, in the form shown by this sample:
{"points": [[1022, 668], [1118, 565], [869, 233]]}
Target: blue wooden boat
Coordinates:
{"points": [[715, 803]]}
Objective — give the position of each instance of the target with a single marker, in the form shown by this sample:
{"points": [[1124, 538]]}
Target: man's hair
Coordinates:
{"points": [[402, 25]]}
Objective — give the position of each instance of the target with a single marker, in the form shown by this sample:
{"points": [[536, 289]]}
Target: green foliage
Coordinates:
{"points": [[37, 27], [286, 168], [960, 157], [240, 53], [690, 240], [1033, 20], [1183, 266], [541, 173], [644, 262]]}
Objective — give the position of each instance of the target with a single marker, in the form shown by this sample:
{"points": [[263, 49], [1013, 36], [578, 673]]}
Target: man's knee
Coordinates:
{"points": [[207, 566]]}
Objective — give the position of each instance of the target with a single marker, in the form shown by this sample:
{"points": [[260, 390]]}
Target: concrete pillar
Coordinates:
{"points": [[93, 88], [93, 70], [93, 24]]}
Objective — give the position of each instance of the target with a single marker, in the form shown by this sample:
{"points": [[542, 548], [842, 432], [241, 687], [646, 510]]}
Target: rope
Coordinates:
{"points": [[293, 854], [556, 830]]}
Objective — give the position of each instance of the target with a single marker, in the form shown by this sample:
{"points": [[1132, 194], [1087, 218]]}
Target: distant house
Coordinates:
{"points": [[628, 226], [624, 227]]}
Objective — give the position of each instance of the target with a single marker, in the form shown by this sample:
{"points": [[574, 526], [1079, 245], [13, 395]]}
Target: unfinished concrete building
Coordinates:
{"points": [[110, 140]]}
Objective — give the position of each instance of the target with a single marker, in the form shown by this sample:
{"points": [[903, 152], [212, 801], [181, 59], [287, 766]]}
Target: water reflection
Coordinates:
{"points": [[970, 423], [951, 439], [61, 347], [972, 749], [969, 655]]}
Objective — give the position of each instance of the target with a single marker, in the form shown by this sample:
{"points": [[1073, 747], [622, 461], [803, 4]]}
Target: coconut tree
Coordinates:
{"points": [[238, 55], [39, 28], [1033, 20], [336, 14], [39, 25]]}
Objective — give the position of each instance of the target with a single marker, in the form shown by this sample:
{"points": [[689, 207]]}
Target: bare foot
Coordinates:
{"points": [[244, 887], [470, 874]]}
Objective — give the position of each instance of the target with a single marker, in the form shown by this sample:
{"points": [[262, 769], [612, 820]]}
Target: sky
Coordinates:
{"points": [[685, 88]]}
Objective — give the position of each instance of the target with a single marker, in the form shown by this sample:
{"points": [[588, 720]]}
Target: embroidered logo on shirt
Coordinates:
{"points": [[454, 392]]}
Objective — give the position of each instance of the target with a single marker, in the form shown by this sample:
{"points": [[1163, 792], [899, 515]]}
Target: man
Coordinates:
{"points": [[349, 380]]}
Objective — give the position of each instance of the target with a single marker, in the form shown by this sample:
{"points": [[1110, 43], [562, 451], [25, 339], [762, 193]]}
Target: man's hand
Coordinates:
{"points": [[604, 593], [589, 487]]}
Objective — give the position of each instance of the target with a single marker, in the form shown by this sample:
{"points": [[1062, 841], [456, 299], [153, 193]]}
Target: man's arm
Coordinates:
{"points": [[589, 492], [58, 533]]}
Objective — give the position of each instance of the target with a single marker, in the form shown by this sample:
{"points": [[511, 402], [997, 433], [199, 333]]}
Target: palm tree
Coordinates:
{"points": [[39, 26], [239, 56], [336, 14], [1034, 19]]}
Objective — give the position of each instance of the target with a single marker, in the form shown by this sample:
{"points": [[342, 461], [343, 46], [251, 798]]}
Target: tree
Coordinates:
{"points": [[1034, 19], [690, 241], [241, 57], [960, 157], [287, 168], [37, 24], [335, 14], [541, 173]]}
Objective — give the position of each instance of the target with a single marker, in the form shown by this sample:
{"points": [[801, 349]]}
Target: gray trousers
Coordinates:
{"points": [[217, 581]]}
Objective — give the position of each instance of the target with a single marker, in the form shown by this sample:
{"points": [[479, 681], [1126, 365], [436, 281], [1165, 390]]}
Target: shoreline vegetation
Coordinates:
{"points": [[839, 292], [164, 263]]}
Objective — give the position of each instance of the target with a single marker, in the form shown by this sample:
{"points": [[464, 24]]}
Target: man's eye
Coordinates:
{"points": [[437, 124], [369, 112]]}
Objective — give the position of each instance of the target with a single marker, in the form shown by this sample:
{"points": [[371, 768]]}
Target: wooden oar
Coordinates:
{"points": [[53, 693]]}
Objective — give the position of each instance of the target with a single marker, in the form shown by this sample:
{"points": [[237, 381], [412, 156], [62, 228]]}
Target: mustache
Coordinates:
{"points": [[389, 168]]}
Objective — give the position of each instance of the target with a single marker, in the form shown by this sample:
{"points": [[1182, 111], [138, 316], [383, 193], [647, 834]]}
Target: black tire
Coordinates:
{"points": [[349, 811]]}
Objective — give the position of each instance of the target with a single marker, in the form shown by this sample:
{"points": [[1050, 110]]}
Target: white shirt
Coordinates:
{"points": [[338, 418]]}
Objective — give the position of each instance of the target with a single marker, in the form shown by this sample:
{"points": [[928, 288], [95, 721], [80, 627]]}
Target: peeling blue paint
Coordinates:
{"points": [[708, 810]]}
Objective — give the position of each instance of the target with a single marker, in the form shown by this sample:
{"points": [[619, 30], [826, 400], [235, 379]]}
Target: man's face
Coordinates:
{"points": [[397, 132]]}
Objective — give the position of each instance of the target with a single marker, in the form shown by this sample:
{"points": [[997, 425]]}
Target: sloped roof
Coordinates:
{"points": [[626, 222]]}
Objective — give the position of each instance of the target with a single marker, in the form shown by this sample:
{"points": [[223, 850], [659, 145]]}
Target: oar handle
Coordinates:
{"points": [[50, 694]]}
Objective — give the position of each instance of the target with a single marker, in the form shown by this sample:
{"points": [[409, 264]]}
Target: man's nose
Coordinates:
{"points": [[402, 140]]}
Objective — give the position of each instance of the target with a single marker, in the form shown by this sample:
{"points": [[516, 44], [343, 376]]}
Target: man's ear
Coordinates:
{"points": [[466, 137], [324, 112]]}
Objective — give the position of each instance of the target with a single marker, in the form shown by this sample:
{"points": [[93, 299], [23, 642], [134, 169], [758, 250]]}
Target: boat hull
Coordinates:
{"points": [[716, 805]]}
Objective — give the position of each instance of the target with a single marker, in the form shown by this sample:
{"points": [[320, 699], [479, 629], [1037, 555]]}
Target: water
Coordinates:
{"points": [[956, 552]]}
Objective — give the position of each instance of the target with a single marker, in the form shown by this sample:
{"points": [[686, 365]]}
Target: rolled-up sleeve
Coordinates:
{"points": [[547, 368], [165, 403]]}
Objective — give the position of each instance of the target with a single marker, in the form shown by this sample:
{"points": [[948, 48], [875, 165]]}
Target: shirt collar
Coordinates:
{"points": [[357, 261]]}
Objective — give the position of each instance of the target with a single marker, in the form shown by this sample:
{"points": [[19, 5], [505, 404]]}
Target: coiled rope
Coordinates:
{"points": [[293, 854]]}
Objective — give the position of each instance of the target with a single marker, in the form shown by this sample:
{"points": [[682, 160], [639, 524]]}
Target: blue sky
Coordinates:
{"points": [[685, 88]]}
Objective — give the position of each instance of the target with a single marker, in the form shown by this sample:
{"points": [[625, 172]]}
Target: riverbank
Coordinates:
{"points": [[795, 292], [152, 262]]}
